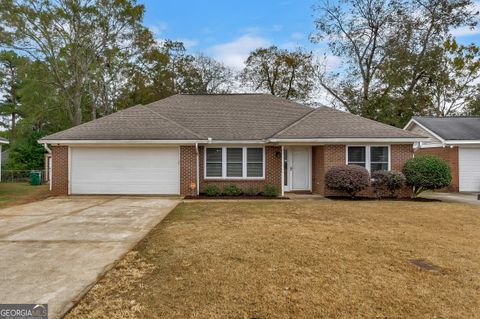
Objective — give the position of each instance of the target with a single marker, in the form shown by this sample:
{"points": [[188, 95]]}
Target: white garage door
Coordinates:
{"points": [[469, 169], [117, 170]]}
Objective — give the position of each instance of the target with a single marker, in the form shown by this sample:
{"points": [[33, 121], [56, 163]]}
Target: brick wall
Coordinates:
{"points": [[448, 154], [328, 156], [273, 172], [59, 170], [188, 169]]}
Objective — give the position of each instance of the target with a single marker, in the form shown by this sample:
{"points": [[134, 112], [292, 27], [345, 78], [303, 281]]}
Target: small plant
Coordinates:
{"points": [[232, 190], [251, 191], [387, 182], [270, 191], [212, 190], [347, 178], [427, 173]]}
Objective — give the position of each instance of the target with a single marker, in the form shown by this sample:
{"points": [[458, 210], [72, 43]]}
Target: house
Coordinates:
{"points": [[455, 139], [180, 144], [2, 141]]}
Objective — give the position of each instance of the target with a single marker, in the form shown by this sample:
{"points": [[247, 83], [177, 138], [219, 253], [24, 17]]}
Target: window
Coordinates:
{"points": [[214, 162], [373, 158], [234, 162], [254, 162]]}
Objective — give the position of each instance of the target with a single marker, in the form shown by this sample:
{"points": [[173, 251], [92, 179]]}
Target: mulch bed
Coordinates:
{"points": [[407, 199], [234, 197]]}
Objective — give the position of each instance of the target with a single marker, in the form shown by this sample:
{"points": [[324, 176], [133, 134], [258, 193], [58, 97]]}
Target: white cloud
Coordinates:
{"points": [[158, 28], [297, 36], [188, 43], [464, 31], [234, 53]]}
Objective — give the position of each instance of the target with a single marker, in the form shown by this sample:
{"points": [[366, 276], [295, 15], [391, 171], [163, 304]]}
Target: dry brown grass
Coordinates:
{"points": [[301, 259], [12, 194]]}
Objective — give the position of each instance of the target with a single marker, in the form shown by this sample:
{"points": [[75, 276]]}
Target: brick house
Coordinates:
{"points": [[456, 140], [180, 144]]}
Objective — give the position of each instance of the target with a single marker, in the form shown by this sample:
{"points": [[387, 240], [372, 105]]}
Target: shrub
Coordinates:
{"points": [[427, 173], [270, 190], [347, 178], [232, 190], [251, 191], [387, 182], [212, 190]]}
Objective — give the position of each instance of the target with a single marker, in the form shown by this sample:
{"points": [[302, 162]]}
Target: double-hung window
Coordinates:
{"points": [[234, 162], [373, 158]]}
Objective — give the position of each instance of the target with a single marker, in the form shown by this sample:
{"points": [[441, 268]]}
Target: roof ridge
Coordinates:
{"points": [[172, 121], [295, 122]]}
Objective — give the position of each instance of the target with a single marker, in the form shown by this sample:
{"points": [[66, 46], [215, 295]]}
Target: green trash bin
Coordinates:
{"points": [[35, 178]]}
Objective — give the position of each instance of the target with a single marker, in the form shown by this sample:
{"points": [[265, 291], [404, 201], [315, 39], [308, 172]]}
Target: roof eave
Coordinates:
{"points": [[103, 142], [350, 140]]}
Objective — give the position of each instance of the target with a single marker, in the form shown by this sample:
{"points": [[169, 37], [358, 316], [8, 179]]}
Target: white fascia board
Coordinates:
{"points": [[213, 142], [120, 142], [350, 140], [4, 142], [425, 128], [462, 142]]}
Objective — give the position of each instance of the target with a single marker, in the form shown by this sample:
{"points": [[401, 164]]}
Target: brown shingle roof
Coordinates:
{"points": [[227, 117], [325, 122]]}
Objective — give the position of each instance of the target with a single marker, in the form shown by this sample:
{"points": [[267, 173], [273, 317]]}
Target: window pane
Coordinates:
{"points": [[214, 155], [378, 167], [234, 155], [255, 170], [356, 155], [379, 154], [234, 170], [214, 169], [254, 155]]}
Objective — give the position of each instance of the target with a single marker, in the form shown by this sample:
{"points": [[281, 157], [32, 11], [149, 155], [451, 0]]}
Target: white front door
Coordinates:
{"points": [[298, 165]]}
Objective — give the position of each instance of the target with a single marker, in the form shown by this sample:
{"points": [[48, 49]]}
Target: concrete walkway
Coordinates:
{"points": [[53, 251], [467, 198]]}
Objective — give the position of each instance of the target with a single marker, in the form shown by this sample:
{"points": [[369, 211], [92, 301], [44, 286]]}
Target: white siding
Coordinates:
{"points": [[122, 170]]}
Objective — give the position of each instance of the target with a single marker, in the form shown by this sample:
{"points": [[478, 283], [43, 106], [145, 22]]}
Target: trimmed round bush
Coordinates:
{"points": [[427, 172], [347, 178], [232, 190], [212, 190], [270, 190], [387, 182], [251, 191]]}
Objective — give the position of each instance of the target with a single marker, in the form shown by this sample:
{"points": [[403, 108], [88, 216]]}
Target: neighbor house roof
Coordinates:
{"points": [[451, 128], [227, 117], [3, 140]]}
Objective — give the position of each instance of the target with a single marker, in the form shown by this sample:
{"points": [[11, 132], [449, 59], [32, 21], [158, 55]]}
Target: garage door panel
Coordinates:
{"points": [[469, 169], [125, 171]]}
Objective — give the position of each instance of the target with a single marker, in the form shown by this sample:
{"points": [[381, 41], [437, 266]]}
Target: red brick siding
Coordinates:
{"points": [[273, 172], [188, 169], [60, 170], [451, 156], [335, 155]]}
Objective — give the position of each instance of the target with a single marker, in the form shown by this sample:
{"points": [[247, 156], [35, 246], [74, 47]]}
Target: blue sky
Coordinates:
{"points": [[228, 30]]}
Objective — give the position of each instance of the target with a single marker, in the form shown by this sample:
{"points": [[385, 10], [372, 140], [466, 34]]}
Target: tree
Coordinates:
{"points": [[283, 73], [391, 51], [12, 72], [82, 42]]}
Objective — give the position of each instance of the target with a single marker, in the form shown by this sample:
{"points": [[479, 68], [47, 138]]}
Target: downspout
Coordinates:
{"points": [[45, 146], [198, 169], [49, 151]]}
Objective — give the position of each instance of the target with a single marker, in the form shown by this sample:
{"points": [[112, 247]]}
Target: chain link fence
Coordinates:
{"points": [[19, 176]]}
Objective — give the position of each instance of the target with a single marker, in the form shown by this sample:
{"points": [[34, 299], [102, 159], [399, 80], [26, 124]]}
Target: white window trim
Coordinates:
{"points": [[224, 164], [368, 155]]}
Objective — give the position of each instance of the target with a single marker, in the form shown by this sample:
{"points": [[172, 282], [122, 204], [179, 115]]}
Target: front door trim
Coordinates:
{"points": [[289, 185]]}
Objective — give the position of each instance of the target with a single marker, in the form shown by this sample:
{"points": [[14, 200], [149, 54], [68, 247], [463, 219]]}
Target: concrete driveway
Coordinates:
{"points": [[52, 251], [467, 198]]}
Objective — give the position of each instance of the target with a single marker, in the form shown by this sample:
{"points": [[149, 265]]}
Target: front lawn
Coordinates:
{"points": [[12, 193], [299, 259]]}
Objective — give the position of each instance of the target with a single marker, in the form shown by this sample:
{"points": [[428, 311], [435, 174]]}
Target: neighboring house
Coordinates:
{"points": [[250, 140], [2, 141], [455, 139]]}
